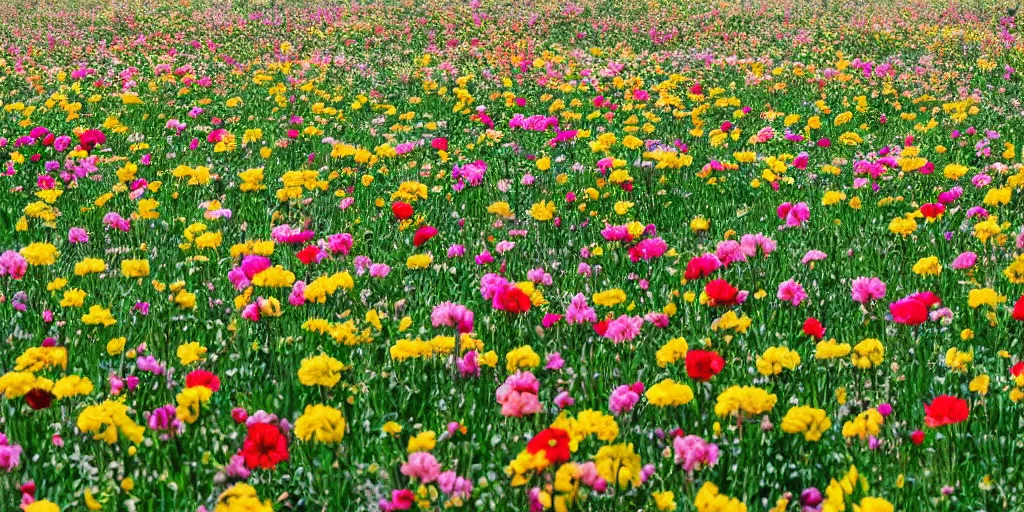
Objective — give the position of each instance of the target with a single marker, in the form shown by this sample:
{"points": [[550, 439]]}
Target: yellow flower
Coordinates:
{"points": [[242, 498], [669, 393], [903, 226], [829, 349], [709, 500], [106, 420], [135, 268], [979, 384], [869, 504], [501, 209], [521, 358], [664, 501], [422, 442], [984, 297], [274, 277], [746, 400], [775, 359], [419, 261], [868, 353], [928, 266], [806, 420], [391, 428], [70, 386], [957, 360], [42, 506], [543, 211], [89, 266], [619, 464], [323, 423], [189, 401], [609, 298], [544, 163], [321, 370], [672, 351], [867, 423], [191, 352], [115, 346], [98, 315], [699, 224], [34, 359], [40, 254]]}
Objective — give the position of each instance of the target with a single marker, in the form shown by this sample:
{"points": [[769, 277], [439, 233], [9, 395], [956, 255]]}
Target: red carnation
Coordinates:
{"points": [[1018, 309], [1017, 369], [945, 410], [814, 329], [703, 365], [202, 378], [265, 447], [423, 234], [601, 327], [89, 139], [308, 255], [932, 210], [909, 312], [401, 210], [440, 144], [721, 293], [701, 266], [513, 300], [554, 442], [39, 399], [917, 437]]}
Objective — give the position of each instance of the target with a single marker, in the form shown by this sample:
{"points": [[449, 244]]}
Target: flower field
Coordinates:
{"points": [[490, 255]]}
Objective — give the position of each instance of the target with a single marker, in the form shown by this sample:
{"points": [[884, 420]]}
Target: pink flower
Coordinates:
{"points": [[729, 252], [749, 244], [339, 243], [624, 328], [965, 260], [791, 291], [297, 297], [624, 398], [550, 319], [554, 362], [422, 466], [693, 453], [13, 264], [78, 236], [563, 400], [579, 312], [648, 249], [453, 485], [518, 395], [867, 289], [468, 365], [10, 454], [795, 215], [813, 255], [448, 314]]}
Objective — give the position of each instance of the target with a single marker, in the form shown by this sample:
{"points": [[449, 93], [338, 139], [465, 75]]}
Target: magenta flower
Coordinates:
{"points": [[792, 292]]}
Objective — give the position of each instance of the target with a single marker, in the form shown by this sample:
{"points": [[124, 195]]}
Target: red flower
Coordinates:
{"points": [[721, 293], [1018, 309], [89, 139], [265, 447], [202, 378], [39, 399], [601, 327], [703, 365], [401, 210], [701, 266], [945, 410], [554, 442], [813, 328], [513, 300], [309, 255], [440, 144], [917, 437], [423, 234], [1017, 369], [932, 210], [909, 312]]}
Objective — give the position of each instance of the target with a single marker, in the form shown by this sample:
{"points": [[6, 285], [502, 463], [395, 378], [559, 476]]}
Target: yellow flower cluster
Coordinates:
{"points": [[809, 421], [867, 423], [709, 500], [105, 420], [868, 353], [669, 393], [775, 359], [323, 423], [745, 400], [321, 370]]}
